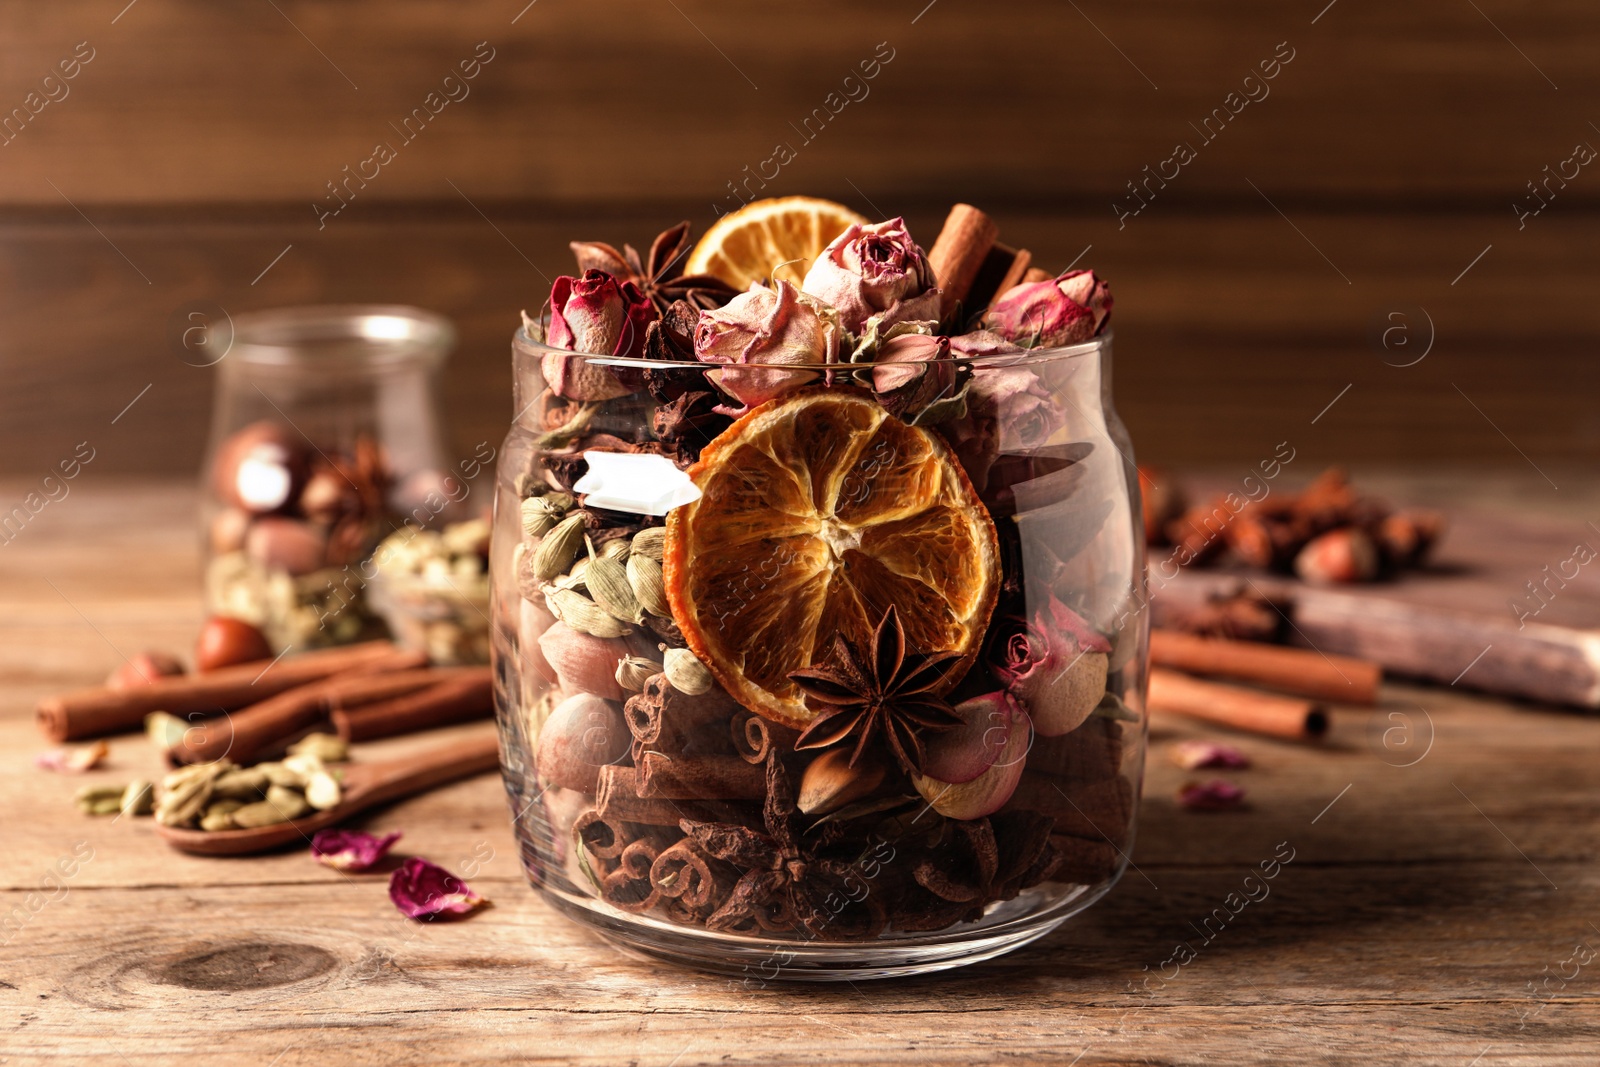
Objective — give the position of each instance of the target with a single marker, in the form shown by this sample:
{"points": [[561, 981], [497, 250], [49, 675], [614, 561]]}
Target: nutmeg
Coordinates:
{"points": [[286, 545], [583, 662], [582, 734], [262, 468], [224, 642]]}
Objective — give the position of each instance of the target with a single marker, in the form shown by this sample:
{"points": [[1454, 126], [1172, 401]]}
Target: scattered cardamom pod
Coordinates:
{"points": [[686, 673], [138, 798], [610, 589], [164, 730], [649, 586], [558, 548], [99, 799], [261, 813], [186, 791], [242, 784], [582, 614], [219, 815], [651, 541], [329, 748], [322, 791], [291, 802], [634, 671], [305, 765]]}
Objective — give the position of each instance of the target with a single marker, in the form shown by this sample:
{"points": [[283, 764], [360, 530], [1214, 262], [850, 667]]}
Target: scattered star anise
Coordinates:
{"points": [[880, 691], [661, 277]]}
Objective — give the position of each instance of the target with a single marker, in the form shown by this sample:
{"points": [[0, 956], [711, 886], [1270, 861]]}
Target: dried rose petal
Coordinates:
{"points": [[1199, 755], [422, 890], [1219, 794], [73, 759], [350, 850]]}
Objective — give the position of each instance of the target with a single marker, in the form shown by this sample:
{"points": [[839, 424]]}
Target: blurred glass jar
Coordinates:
{"points": [[325, 438]]}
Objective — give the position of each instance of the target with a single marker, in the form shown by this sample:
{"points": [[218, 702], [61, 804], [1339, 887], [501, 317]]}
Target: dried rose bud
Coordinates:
{"points": [[1011, 412], [1056, 666], [423, 890], [1338, 557], [875, 269], [912, 371], [600, 316], [1198, 755], [1008, 738], [143, 669], [1067, 310], [350, 850], [1215, 795], [764, 326], [73, 759]]}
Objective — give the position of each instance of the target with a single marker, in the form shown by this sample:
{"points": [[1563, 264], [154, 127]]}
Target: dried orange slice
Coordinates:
{"points": [[750, 244], [817, 512]]}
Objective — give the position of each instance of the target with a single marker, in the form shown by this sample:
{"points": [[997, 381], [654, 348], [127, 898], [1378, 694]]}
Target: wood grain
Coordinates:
{"points": [[1441, 864]]}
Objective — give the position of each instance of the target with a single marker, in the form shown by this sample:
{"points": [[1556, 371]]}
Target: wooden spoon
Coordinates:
{"points": [[365, 785]]}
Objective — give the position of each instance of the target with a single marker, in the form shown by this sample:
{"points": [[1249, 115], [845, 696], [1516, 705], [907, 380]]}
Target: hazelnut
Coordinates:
{"points": [[261, 469], [224, 642]]}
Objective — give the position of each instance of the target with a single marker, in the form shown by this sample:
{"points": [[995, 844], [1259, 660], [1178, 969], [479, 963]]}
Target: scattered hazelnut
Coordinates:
{"points": [[224, 642], [1338, 557]]}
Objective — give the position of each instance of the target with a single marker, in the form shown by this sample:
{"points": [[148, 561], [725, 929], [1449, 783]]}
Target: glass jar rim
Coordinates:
{"points": [[1021, 357], [354, 335]]}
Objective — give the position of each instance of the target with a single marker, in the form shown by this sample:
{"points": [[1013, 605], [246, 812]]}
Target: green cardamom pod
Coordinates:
{"points": [[651, 542], [243, 784], [282, 775], [138, 798], [649, 587], [616, 548], [91, 799], [540, 514], [634, 671], [291, 802], [609, 587], [686, 673], [322, 791], [558, 548], [164, 730], [261, 813], [582, 614]]}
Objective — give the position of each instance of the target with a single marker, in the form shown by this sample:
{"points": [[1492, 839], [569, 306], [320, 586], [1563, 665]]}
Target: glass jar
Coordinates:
{"points": [[851, 687], [325, 438]]}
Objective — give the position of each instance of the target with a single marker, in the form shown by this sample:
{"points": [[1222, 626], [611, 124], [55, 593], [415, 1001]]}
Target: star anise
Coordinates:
{"points": [[882, 691], [661, 276]]}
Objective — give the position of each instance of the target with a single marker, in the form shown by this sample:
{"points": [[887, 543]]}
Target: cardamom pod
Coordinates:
{"points": [[219, 815], [164, 730], [305, 765], [634, 671], [93, 799], [328, 748], [574, 579], [686, 673], [573, 428], [609, 587], [540, 514], [243, 784], [558, 548], [282, 775], [649, 587], [616, 548], [186, 791], [291, 802], [322, 791], [138, 798], [261, 813], [582, 614], [651, 541]]}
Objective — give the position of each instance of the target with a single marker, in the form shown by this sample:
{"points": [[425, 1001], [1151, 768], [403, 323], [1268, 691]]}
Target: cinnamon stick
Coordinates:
{"points": [[699, 778], [1240, 709], [617, 801], [754, 737], [959, 252], [102, 710], [242, 735], [1288, 670], [461, 697], [664, 719]]}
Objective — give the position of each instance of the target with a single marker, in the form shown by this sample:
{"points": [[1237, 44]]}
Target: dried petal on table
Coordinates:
{"points": [[1218, 794], [350, 850], [73, 759], [423, 890], [1200, 755]]}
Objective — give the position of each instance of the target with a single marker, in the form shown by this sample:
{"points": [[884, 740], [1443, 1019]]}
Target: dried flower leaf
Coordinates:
{"points": [[350, 850], [73, 759], [423, 890], [1200, 755], [1218, 794]]}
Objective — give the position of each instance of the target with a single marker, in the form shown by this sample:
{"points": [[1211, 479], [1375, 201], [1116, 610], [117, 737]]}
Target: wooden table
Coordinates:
{"points": [[1442, 877]]}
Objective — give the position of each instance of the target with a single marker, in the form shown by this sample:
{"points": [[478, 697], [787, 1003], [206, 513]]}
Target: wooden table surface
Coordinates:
{"points": [[1440, 907]]}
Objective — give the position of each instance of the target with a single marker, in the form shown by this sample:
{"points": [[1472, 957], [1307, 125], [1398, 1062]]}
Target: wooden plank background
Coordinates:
{"points": [[187, 153]]}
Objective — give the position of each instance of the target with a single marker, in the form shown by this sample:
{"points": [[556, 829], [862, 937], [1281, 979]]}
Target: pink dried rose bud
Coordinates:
{"points": [[1202, 755], [73, 759], [582, 734], [350, 850], [913, 371], [423, 890], [1215, 795], [1001, 748], [875, 269], [598, 315], [1011, 412], [1056, 666], [780, 327], [143, 669], [1067, 310]]}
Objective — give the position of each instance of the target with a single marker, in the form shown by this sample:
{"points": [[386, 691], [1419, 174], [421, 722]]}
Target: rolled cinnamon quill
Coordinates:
{"points": [[244, 734], [959, 253], [617, 802], [1288, 670], [461, 697], [664, 719], [1240, 709], [699, 778], [101, 710]]}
